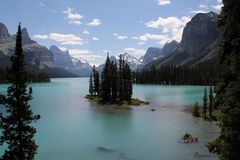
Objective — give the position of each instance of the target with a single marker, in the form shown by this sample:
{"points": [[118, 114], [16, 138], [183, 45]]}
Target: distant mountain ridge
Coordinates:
{"points": [[133, 62], [199, 44], [73, 65], [38, 58], [154, 53]]}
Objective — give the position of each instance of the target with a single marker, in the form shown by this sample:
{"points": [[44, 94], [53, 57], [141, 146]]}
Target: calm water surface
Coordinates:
{"points": [[71, 128]]}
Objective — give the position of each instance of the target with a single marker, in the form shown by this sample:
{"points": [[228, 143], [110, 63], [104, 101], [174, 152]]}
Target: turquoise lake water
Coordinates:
{"points": [[71, 128]]}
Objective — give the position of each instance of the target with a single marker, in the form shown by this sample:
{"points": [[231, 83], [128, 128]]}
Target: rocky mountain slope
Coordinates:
{"points": [[73, 65], [199, 44], [37, 57], [154, 53]]}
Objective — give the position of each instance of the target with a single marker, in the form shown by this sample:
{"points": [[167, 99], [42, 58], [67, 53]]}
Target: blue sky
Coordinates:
{"points": [[90, 28]]}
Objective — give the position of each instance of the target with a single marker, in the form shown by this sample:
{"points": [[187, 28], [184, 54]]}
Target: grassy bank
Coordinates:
{"points": [[122, 105], [216, 114]]}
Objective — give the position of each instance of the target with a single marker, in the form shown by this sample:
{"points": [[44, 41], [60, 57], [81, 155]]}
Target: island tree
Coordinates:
{"points": [[96, 80], [211, 101], [227, 146], [116, 83], [16, 125], [106, 81], [91, 85], [205, 102]]}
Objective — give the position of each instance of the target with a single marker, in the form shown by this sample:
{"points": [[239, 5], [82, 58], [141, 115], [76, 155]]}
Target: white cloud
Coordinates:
{"points": [[134, 38], [95, 38], [141, 43], [162, 39], [72, 16], [95, 22], [120, 37], [85, 32], [203, 6], [164, 2], [64, 39], [41, 36], [171, 27], [218, 6], [41, 4], [84, 54], [67, 39], [134, 51], [198, 11], [167, 24], [63, 48]]}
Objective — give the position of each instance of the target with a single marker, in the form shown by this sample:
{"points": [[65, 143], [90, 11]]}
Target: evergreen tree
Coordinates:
{"points": [[211, 101], [105, 81], [114, 81], [228, 91], [96, 80], [120, 78], [128, 83], [205, 102], [17, 131], [91, 88]]}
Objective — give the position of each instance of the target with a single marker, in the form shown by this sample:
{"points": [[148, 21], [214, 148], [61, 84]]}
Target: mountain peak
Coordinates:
{"points": [[201, 31], [25, 37], [4, 32], [151, 54], [169, 47], [210, 16], [54, 48], [57, 50]]}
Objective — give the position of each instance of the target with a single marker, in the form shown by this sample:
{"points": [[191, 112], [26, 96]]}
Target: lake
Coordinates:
{"points": [[72, 128]]}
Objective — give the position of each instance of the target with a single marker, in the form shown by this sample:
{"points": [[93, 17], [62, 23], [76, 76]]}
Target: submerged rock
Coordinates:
{"points": [[104, 149]]}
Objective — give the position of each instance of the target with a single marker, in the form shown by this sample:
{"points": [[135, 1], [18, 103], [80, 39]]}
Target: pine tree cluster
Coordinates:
{"points": [[208, 102], [115, 85], [227, 145], [31, 76], [179, 75]]}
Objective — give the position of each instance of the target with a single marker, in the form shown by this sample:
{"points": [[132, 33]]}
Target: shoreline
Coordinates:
{"points": [[135, 102]]}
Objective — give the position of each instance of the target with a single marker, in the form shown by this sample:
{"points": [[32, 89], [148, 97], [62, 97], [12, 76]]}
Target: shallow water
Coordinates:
{"points": [[71, 128]]}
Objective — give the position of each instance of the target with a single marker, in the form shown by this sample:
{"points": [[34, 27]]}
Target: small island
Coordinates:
{"points": [[114, 87], [188, 138], [134, 101]]}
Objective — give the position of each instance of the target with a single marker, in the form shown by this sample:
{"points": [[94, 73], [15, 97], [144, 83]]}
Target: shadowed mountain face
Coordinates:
{"points": [[4, 35], [200, 32], [199, 44], [169, 48], [73, 65], [61, 58], [154, 53], [37, 57]]}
